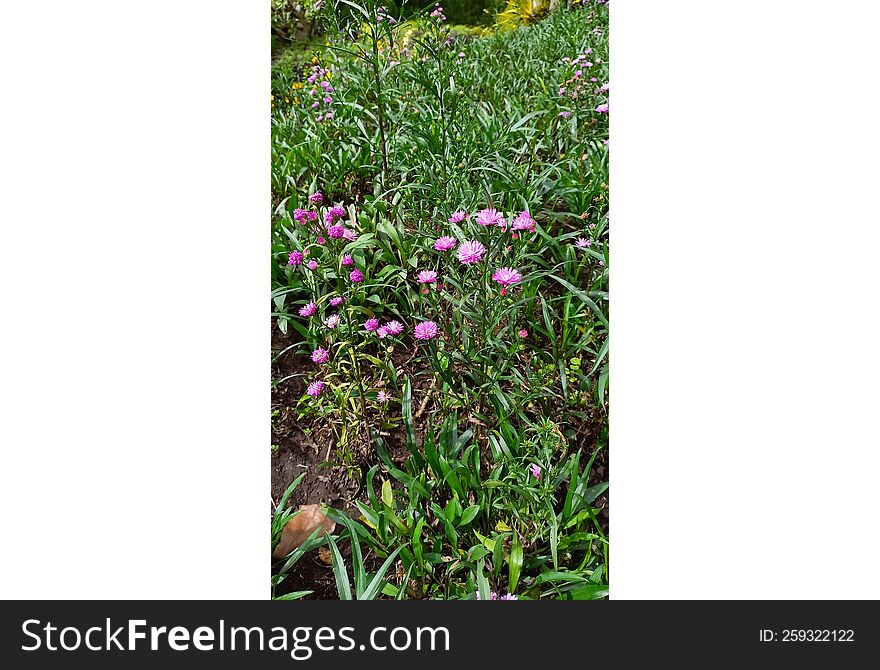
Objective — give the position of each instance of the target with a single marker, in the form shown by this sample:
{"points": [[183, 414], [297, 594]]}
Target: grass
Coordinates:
{"points": [[501, 404]]}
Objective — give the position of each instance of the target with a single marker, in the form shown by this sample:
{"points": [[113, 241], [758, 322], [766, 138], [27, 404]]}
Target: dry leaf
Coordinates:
{"points": [[299, 529]]}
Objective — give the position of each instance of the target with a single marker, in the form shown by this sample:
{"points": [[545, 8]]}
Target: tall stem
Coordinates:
{"points": [[380, 107]]}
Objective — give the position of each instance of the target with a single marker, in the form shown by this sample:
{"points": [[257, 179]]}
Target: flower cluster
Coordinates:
{"points": [[321, 91], [494, 596], [580, 86], [383, 15]]}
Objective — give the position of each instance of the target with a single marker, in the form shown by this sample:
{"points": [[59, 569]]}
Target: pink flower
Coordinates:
{"points": [[382, 332], [321, 240], [603, 108], [565, 115], [320, 355], [523, 332], [490, 217], [458, 216], [470, 252], [356, 276], [312, 265], [308, 309], [393, 328], [349, 235], [523, 221], [382, 396], [315, 388], [337, 301], [582, 243], [535, 470], [426, 330], [336, 231], [300, 215], [604, 87], [445, 243], [509, 596], [295, 258], [347, 260], [371, 324], [316, 198], [332, 321], [427, 277], [506, 276], [313, 216]]}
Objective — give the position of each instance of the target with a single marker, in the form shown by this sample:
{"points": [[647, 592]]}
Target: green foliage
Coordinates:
{"points": [[402, 123]]}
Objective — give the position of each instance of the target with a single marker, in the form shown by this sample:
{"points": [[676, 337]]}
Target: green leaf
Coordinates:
{"points": [[594, 492], [485, 592], [589, 592], [514, 563], [343, 586], [387, 495], [468, 515], [295, 595], [559, 576], [375, 585]]}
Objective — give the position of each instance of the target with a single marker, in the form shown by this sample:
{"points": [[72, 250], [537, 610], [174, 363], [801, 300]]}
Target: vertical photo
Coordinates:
{"points": [[439, 300]]}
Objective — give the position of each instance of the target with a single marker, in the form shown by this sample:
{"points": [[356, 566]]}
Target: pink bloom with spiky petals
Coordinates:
{"points": [[523, 332], [336, 231], [356, 276], [490, 217], [320, 355], [295, 258], [458, 216], [509, 596], [470, 252], [337, 301], [316, 198], [371, 324], [300, 215], [427, 277], [523, 221], [315, 388], [393, 328], [535, 470], [603, 108], [382, 396], [382, 332], [426, 330], [332, 321], [582, 243], [349, 235], [445, 243], [321, 240], [347, 260], [507, 276], [312, 265], [308, 309]]}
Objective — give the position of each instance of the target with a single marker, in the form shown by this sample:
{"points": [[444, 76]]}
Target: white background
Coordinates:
{"points": [[134, 149]]}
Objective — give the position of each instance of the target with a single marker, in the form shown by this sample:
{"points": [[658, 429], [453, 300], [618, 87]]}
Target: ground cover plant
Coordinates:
{"points": [[440, 304]]}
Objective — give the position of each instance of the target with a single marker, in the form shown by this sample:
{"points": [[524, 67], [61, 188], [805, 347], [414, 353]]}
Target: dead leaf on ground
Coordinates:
{"points": [[299, 528]]}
